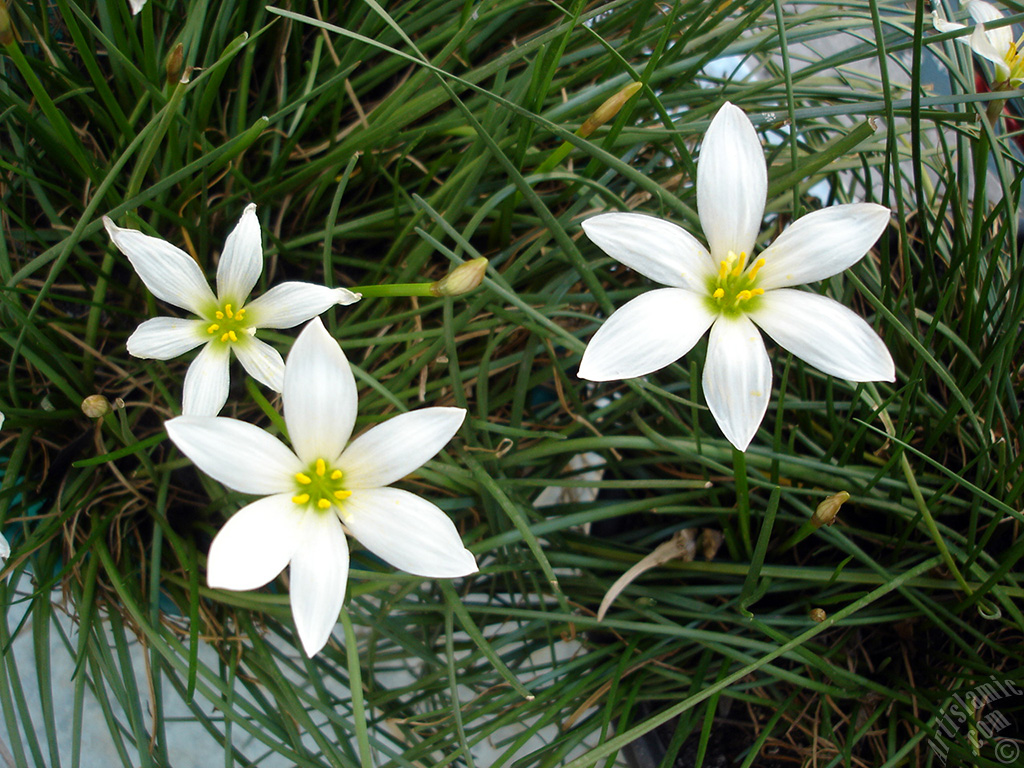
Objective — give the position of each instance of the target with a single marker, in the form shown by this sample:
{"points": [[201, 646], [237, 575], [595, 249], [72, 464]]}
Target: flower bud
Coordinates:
{"points": [[6, 28], [174, 60], [463, 279], [96, 406], [609, 109], [817, 614], [826, 512]]}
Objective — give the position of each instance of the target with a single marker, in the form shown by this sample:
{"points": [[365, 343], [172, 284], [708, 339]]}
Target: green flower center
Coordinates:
{"points": [[320, 487], [227, 324], [734, 290]]}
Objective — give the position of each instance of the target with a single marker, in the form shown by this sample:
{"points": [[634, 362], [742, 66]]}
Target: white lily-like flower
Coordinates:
{"points": [[322, 488], [225, 322], [996, 45], [727, 291]]}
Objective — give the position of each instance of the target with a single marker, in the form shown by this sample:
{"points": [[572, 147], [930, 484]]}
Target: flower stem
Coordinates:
{"points": [[739, 470], [355, 686], [395, 289]]}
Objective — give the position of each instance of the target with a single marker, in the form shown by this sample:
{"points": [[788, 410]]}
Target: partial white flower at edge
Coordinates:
{"points": [[997, 45], [729, 292], [225, 322], [322, 488], [5, 548]]}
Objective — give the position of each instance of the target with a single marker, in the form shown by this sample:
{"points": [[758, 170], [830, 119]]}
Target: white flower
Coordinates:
{"points": [[137, 5], [5, 548], [727, 292], [996, 45], [320, 489], [225, 321]]}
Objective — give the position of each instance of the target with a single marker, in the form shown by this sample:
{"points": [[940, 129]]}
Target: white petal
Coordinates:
{"points": [[319, 573], [319, 395], [255, 544], [1002, 38], [241, 262], [136, 5], [822, 244], [408, 532], [207, 382], [402, 444], [825, 334], [261, 361], [5, 548], [3, 418], [646, 334], [169, 273], [943, 25], [653, 247], [983, 45], [737, 379], [732, 183], [289, 304], [162, 338], [238, 454]]}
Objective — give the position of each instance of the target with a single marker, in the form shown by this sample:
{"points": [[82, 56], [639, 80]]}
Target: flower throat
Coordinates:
{"points": [[735, 287]]}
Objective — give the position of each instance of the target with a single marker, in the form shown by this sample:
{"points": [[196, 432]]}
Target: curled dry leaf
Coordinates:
{"points": [[682, 546]]}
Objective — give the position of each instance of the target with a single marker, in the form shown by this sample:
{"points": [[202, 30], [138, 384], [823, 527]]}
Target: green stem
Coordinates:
{"points": [[395, 289], [355, 686]]}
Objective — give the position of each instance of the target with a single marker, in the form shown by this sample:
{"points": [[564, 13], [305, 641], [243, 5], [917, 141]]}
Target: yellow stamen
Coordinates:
{"points": [[723, 271], [757, 292], [738, 269], [228, 312], [719, 293], [219, 315], [224, 337], [342, 495], [323, 504], [213, 328], [302, 498], [233, 336], [336, 475], [321, 467], [743, 296], [755, 269], [239, 314], [303, 478]]}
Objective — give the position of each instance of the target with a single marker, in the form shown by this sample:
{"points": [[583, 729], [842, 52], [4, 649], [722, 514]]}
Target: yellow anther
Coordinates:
{"points": [[757, 292], [743, 296], [224, 337], [239, 314], [232, 335], [723, 271], [719, 293], [213, 328], [342, 495], [303, 478], [741, 264], [228, 312], [219, 315], [302, 498], [755, 269], [336, 475], [321, 467], [323, 504]]}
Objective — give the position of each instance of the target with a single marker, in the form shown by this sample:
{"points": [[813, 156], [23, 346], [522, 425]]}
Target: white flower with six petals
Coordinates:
{"points": [[225, 321], [729, 293], [996, 45], [322, 488]]}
